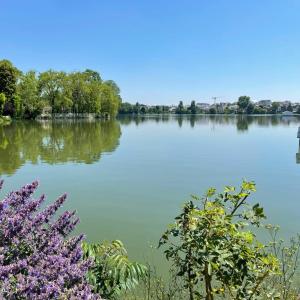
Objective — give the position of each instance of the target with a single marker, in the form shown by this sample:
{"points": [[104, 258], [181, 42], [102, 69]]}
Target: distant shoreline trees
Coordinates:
{"points": [[243, 106], [27, 95]]}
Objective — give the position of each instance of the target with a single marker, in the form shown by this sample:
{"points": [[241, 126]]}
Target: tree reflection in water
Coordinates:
{"points": [[56, 142]]}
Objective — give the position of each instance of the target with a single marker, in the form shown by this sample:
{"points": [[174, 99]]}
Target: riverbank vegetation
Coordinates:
{"points": [[30, 94], [212, 248], [51, 93], [243, 106]]}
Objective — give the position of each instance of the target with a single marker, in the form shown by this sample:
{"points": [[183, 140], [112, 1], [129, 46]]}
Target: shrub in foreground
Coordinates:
{"points": [[112, 272], [215, 253], [37, 259]]}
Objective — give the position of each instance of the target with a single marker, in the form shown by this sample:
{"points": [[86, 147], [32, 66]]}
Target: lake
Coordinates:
{"points": [[128, 178]]}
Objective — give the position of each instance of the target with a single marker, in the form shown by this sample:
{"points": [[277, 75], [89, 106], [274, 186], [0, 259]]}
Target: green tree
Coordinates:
{"points": [[110, 101], [112, 272], [77, 92], [51, 86], [243, 103], [32, 104], [126, 108], [76, 89], [17, 106], [274, 107], [136, 108], [2, 102], [213, 250], [193, 107], [212, 110], [289, 107], [114, 86], [92, 75], [8, 85], [180, 108], [250, 108]]}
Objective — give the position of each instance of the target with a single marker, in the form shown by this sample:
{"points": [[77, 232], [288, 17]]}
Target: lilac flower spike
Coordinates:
{"points": [[37, 260]]}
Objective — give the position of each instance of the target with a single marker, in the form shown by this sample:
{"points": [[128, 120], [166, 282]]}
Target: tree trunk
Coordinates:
{"points": [[208, 287]]}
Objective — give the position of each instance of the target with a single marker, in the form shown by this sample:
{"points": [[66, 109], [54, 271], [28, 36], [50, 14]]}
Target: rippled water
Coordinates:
{"points": [[127, 178]]}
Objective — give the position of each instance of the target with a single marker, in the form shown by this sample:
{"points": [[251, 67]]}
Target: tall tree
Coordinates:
{"points": [[250, 108], [92, 75], [2, 102], [51, 88], [32, 104], [109, 101], [193, 107], [8, 84], [243, 102], [180, 108]]}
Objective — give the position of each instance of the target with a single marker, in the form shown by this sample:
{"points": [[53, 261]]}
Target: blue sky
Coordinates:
{"points": [[162, 51]]}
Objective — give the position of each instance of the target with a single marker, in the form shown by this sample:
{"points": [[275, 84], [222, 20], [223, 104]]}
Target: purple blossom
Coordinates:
{"points": [[37, 260]]}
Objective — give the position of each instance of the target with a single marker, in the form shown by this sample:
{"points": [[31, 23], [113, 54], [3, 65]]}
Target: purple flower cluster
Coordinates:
{"points": [[37, 260]]}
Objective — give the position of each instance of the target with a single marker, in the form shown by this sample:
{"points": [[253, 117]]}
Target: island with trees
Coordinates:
{"points": [[32, 94]]}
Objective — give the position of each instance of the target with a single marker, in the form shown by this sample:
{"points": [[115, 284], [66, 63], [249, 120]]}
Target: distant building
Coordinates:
{"points": [[172, 108], [233, 107], [287, 113], [204, 106], [264, 103], [286, 103]]}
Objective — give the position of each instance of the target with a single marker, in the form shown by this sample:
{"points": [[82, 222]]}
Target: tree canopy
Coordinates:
{"points": [[28, 94]]}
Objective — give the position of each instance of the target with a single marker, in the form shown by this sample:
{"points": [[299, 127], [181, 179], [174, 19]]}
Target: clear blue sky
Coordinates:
{"points": [[162, 51]]}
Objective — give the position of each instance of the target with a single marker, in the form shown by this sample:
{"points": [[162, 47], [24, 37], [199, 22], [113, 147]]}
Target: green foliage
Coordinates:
{"points": [[31, 141], [212, 249], [126, 108], [51, 88], [250, 108], [78, 92], [212, 110], [112, 272], [2, 102], [180, 108], [110, 99], [283, 285], [17, 103], [193, 107], [274, 107], [243, 103], [259, 110], [31, 103], [8, 84]]}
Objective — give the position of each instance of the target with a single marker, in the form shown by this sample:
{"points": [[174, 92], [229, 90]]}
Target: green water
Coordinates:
{"points": [[127, 178]]}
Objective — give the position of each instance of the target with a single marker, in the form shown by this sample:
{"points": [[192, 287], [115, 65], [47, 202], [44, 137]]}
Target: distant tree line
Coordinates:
{"points": [[137, 108], [28, 94], [244, 105]]}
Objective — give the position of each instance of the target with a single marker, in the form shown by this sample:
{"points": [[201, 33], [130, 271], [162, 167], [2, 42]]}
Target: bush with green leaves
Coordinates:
{"points": [[285, 285], [2, 102], [112, 272], [214, 251]]}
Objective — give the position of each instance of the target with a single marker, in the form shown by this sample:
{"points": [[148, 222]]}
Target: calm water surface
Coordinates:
{"points": [[128, 178]]}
